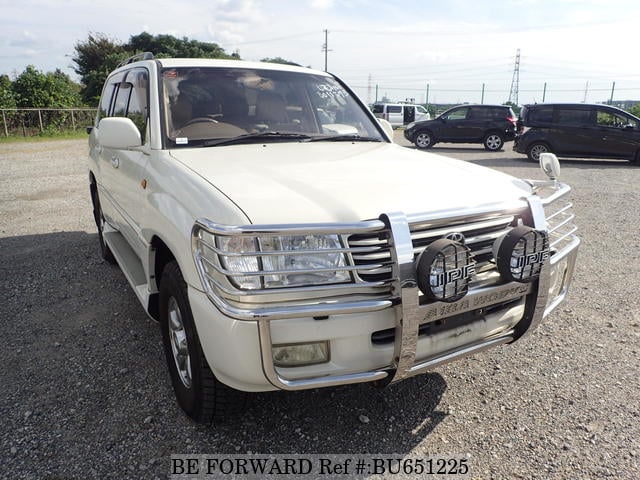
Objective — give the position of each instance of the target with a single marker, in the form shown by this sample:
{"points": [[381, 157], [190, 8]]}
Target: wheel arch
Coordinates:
{"points": [[93, 187], [160, 256], [532, 143]]}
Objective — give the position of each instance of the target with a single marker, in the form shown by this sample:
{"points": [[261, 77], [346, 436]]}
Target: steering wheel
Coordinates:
{"points": [[200, 120]]}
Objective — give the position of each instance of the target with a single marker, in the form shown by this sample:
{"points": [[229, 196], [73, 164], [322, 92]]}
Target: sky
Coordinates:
{"points": [[435, 51]]}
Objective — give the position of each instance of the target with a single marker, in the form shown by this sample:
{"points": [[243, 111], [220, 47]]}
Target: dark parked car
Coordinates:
{"points": [[491, 125], [578, 130]]}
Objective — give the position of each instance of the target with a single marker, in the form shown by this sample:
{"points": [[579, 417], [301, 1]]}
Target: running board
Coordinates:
{"points": [[130, 265]]}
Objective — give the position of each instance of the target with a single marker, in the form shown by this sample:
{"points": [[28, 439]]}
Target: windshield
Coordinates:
{"points": [[203, 105]]}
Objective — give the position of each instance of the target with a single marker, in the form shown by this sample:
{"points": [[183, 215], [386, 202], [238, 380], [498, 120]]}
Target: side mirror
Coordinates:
{"points": [[119, 133], [550, 165], [387, 127]]}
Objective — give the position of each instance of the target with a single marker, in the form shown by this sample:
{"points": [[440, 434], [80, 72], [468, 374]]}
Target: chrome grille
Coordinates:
{"points": [[480, 233]]}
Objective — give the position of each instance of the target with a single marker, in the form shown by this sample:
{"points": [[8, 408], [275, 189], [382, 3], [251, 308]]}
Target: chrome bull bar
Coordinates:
{"points": [[410, 314]]}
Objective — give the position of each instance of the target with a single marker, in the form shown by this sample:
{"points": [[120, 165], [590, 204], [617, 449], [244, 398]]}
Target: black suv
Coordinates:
{"points": [[578, 130], [490, 125]]}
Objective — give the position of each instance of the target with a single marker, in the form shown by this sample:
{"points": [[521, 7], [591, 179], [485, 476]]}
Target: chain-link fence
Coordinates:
{"points": [[29, 122]]}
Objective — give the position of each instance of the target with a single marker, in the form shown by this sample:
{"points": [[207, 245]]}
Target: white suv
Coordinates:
{"points": [[264, 217]]}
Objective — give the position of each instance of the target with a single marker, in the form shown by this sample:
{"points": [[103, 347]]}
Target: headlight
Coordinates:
{"points": [[240, 260], [257, 262], [301, 261]]}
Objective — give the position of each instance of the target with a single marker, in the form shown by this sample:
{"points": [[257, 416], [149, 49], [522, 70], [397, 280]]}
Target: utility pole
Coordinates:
{"points": [[482, 98], [515, 81], [613, 88], [325, 47], [544, 92], [369, 90], [586, 92]]}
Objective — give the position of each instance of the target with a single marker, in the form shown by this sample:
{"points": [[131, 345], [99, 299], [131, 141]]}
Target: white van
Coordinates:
{"points": [[399, 114]]}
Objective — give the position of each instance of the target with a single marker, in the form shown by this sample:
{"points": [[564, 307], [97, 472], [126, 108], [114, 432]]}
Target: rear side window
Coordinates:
{"points": [[540, 114], [488, 113], [394, 109], [568, 116]]}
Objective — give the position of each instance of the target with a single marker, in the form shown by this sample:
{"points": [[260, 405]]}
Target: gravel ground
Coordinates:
{"points": [[84, 392]]}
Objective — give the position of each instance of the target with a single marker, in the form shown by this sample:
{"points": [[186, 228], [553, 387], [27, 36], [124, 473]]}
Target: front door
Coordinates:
{"points": [[618, 135], [123, 170]]}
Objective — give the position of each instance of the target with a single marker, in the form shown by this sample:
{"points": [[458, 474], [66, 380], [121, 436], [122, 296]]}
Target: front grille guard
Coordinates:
{"points": [[404, 296]]}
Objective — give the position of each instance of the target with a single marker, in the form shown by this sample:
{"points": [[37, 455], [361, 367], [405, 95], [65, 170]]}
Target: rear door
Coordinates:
{"points": [[395, 115], [572, 131], [409, 113], [479, 121]]}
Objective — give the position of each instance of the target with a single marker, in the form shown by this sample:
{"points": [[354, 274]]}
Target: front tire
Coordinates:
{"points": [[493, 142], [424, 140], [535, 149], [199, 393]]}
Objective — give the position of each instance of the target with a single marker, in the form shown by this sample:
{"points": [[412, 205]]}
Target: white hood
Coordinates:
{"points": [[344, 181]]}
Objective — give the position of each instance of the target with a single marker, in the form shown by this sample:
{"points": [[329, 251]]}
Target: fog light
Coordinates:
{"points": [[444, 270], [300, 354], [521, 253]]}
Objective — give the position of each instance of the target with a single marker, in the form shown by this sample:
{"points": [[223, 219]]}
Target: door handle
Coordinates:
{"points": [[115, 162]]}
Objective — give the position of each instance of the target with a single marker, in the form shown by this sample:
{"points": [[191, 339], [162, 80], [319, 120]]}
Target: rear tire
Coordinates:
{"points": [[424, 140], [493, 142], [535, 149], [199, 393]]}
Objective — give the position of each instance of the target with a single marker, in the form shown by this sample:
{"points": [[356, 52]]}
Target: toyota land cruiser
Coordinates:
{"points": [[265, 219]]}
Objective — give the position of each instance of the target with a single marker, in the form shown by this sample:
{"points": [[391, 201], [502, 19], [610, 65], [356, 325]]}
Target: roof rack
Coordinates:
{"points": [[136, 57]]}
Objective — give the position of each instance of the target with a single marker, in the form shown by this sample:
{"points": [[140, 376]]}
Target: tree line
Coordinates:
{"points": [[94, 58]]}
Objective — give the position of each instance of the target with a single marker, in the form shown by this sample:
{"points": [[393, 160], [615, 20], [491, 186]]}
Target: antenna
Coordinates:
{"points": [[515, 81]]}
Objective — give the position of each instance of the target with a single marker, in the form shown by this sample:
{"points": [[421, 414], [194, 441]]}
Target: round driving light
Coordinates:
{"points": [[521, 253], [444, 270]]}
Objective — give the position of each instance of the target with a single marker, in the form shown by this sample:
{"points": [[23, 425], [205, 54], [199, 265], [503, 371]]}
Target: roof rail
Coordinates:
{"points": [[136, 57]]}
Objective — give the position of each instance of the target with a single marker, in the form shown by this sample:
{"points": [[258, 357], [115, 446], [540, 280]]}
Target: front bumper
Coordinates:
{"points": [[238, 341]]}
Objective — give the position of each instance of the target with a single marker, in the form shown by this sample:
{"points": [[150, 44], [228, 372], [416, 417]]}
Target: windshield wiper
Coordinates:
{"points": [[344, 138], [257, 136]]}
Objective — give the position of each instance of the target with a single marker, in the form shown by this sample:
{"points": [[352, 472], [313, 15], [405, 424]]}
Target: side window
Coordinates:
{"points": [[605, 118], [394, 109], [105, 100], [459, 114], [420, 109], [377, 108], [541, 114], [573, 117], [122, 100], [137, 109], [132, 99], [108, 96]]}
